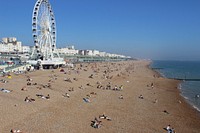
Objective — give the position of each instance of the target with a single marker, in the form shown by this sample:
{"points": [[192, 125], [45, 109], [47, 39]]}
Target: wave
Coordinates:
{"points": [[190, 103], [187, 98], [198, 109]]}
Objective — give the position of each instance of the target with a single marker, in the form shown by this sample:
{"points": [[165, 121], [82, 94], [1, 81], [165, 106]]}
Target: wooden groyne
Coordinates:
{"points": [[157, 68], [186, 79]]}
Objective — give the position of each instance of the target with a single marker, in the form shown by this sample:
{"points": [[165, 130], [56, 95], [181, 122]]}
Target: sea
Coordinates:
{"points": [[190, 90]]}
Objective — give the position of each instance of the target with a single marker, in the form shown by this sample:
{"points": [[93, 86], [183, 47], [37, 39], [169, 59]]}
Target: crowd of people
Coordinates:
{"points": [[105, 83]]}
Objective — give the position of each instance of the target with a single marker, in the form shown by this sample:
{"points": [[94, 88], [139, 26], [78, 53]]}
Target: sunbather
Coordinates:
{"points": [[87, 100], [96, 123], [43, 97], [141, 97], [66, 95], [15, 131], [93, 93], [28, 99], [121, 97], [105, 117], [166, 112], [24, 89], [71, 89], [5, 90]]}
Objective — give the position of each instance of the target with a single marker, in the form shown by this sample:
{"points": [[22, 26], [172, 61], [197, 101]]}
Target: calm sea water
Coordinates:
{"points": [[183, 69]]}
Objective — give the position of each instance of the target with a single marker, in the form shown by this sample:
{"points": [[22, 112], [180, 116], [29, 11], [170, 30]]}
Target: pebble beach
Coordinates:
{"points": [[135, 98]]}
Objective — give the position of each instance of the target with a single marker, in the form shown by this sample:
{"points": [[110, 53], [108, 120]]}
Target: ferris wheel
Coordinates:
{"points": [[44, 31]]}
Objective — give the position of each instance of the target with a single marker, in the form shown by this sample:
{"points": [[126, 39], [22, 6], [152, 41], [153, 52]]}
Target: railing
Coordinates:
{"points": [[9, 68], [81, 58]]}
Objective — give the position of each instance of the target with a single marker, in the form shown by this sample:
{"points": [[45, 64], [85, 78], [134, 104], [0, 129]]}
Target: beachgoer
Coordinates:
{"points": [[28, 83], [115, 88], [48, 96], [173, 130], [87, 100], [121, 87], [66, 95], [197, 96], [24, 89], [155, 101], [165, 111], [93, 93], [91, 76], [121, 97], [81, 87], [152, 85], [168, 127], [96, 123], [71, 89], [141, 97], [28, 99], [15, 131], [5, 90], [105, 117]]}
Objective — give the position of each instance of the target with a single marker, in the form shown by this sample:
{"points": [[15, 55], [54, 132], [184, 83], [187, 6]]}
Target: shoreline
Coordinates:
{"points": [[190, 104], [181, 99], [73, 113], [178, 87]]}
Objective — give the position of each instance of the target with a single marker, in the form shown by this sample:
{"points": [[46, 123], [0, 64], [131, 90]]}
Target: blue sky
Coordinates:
{"points": [[150, 29]]}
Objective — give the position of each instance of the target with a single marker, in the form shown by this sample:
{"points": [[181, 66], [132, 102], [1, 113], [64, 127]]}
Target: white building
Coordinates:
{"points": [[68, 50], [4, 40], [96, 53], [10, 45], [26, 49], [102, 54], [89, 52], [3, 48]]}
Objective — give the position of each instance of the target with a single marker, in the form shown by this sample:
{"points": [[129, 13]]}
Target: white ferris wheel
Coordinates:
{"points": [[44, 31]]}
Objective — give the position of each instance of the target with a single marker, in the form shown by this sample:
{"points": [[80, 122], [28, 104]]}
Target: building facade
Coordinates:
{"points": [[10, 45], [68, 50]]}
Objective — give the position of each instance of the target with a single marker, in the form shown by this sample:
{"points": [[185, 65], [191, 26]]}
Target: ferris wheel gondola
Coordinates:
{"points": [[44, 31]]}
